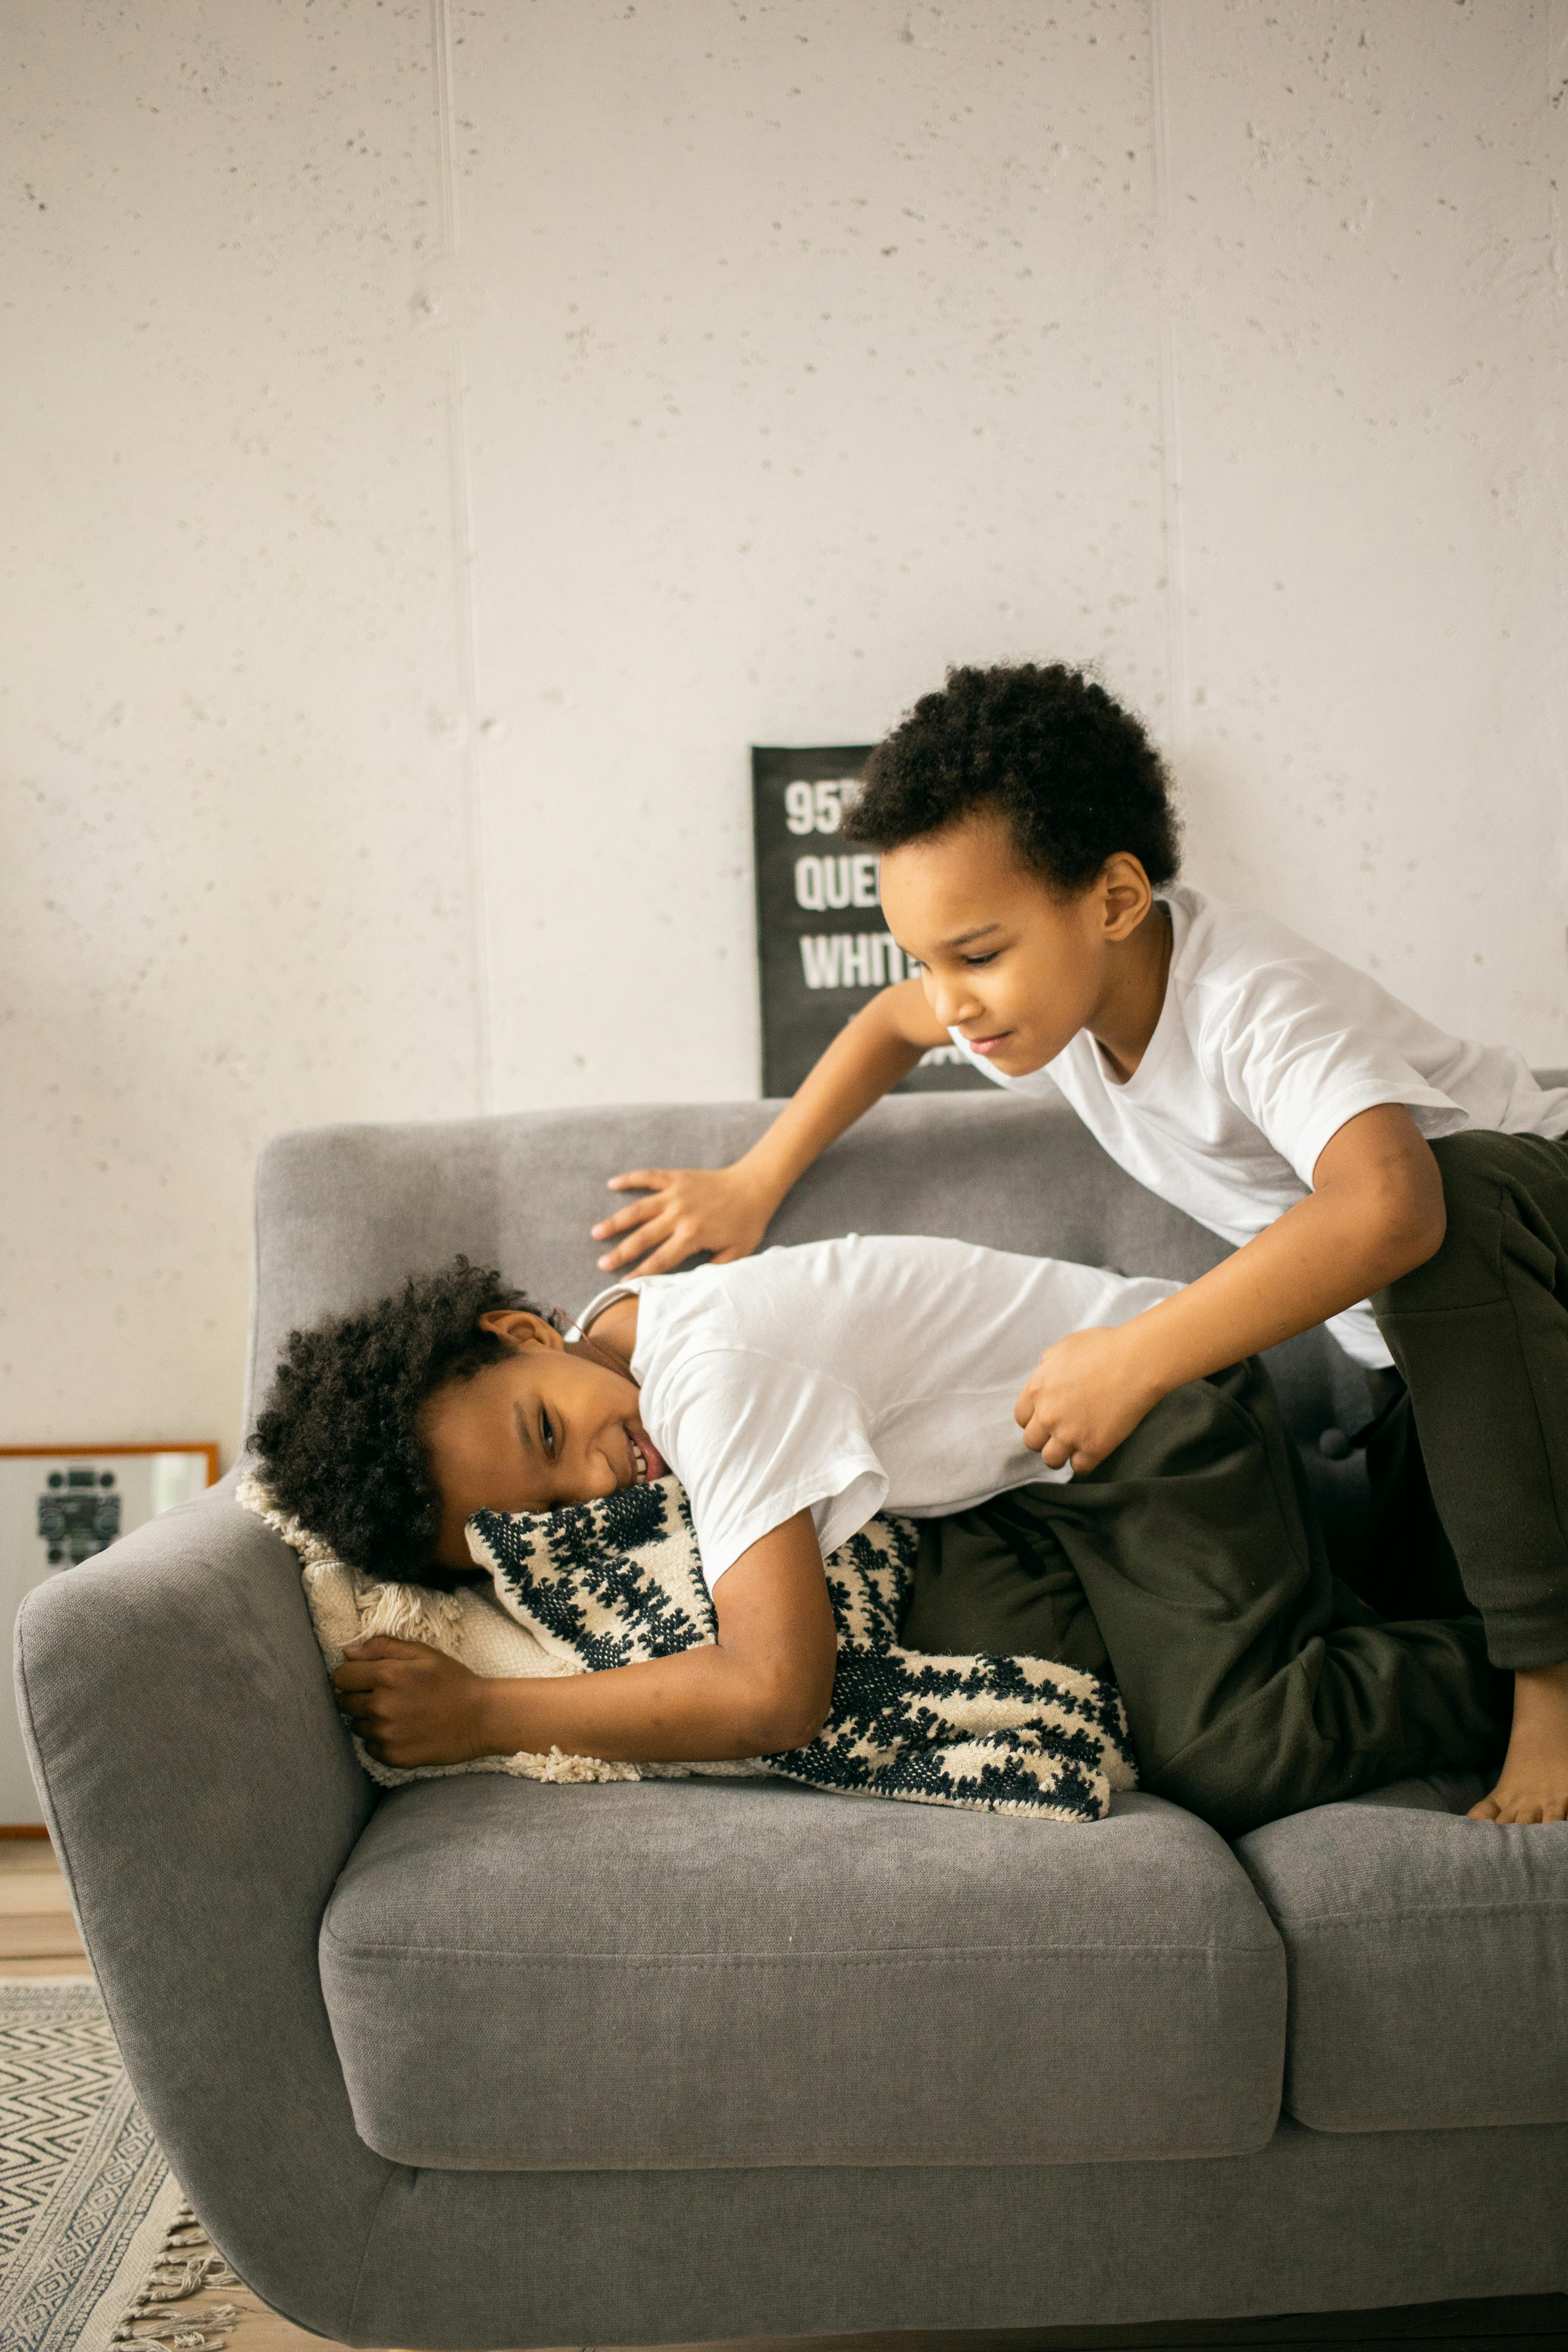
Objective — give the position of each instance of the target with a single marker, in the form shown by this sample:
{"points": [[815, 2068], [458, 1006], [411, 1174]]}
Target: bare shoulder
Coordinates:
{"points": [[616, 1326]]}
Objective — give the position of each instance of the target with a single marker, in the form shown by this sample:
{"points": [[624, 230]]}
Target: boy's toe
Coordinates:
{"points": [[1486, 1811]]}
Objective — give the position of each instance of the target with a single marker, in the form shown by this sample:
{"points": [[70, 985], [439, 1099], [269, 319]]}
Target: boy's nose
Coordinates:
{"points": [[952, 1003]]}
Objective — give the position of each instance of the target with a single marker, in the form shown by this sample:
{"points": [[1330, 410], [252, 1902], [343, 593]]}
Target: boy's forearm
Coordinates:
{"points": [[692, 1707], [765, 1685], [1315, 1261], [870, 1054], [726, 1211], [1375, 1213]]}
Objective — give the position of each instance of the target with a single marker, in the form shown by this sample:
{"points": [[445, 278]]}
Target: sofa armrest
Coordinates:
{"points": [[203, 1798]]}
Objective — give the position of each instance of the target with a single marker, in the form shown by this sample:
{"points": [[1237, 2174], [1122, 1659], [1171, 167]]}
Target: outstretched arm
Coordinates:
{"points": [[726, 1210], [764, 1686], [1374, 1212]]}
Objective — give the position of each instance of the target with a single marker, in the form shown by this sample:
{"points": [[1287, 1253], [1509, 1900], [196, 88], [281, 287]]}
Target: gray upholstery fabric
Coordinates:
{"points": [[672, 1973], [203, 1797], [1428, 1961], [1310, 2224]]}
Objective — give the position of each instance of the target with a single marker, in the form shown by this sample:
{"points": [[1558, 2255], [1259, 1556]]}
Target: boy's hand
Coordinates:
{"points": [[685, 1209], [1089, 1393], [410, 1704]]}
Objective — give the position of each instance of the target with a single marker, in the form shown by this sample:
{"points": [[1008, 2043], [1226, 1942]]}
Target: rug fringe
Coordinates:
{"points": [[187, 2263]]}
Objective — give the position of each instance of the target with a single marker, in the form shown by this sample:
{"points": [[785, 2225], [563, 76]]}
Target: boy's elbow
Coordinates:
{"points": [[1426, 1219], [780, 1729], [789, 1716], [1389, 1187], [1415, 1224], [787, 1738], [1434, 1233]]}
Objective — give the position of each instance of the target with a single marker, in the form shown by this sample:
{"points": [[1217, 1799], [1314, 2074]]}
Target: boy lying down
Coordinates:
{"points": [[796, 1393]]}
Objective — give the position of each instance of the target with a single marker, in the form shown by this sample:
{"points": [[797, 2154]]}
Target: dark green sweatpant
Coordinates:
{"points": [[1476, 1451], [1190, 1565]]}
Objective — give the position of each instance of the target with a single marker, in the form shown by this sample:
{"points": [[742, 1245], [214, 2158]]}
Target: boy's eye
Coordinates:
{"points": [[547, 1435], [976, 962]]}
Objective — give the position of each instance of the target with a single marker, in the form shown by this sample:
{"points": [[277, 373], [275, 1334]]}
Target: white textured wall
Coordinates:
{"points": [[439, 440]]}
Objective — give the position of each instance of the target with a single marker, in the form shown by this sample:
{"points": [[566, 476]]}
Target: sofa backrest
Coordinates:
{"points": [[343, 1213]]}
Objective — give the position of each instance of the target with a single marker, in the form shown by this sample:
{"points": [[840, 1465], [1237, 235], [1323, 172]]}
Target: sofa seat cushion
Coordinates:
{"points": [[1428, 1959], [704, 1973]]}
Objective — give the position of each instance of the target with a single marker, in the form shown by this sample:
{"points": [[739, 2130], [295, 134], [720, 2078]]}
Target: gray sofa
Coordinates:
{"points": [[491, 2064]]}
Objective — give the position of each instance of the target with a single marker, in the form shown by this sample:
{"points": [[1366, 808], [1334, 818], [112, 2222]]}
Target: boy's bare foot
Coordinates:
{"points": [[1533, 1783]]}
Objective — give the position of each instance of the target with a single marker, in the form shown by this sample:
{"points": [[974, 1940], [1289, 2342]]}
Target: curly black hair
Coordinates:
{"points": [[1073, 774], [337, 1439]]}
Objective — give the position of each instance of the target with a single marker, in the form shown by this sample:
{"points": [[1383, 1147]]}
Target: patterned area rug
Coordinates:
{"points": [[97, 2247]]}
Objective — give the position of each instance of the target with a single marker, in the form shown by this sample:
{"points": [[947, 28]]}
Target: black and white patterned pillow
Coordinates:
{"points": [[610, 1583]]}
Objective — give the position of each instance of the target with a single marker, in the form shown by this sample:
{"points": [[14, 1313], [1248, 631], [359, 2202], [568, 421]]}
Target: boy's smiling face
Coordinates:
{"points": [[1014, 964], [546, 1425]]}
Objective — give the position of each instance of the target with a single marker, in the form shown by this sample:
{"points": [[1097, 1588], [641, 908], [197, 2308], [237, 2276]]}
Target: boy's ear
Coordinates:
{"points": [[521, 1329], [1126, 895]]}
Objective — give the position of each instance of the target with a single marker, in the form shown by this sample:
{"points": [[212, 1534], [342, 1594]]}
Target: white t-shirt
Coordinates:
{"points": [[844, 1376], [1265, 1047]]}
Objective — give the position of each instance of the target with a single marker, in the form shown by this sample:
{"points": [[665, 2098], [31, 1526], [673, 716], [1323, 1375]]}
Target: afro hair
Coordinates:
{"points": [[1074, 775], [338, 1438]]}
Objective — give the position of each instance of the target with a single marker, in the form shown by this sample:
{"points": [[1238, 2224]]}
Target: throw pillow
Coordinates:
{"points": [[601, 1584]]}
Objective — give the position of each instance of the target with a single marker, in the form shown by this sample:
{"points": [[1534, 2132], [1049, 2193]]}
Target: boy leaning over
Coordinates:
{"points": [[1407, 1186]]}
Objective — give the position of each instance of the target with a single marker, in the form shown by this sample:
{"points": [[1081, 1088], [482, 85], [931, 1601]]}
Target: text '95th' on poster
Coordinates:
{"points": [[823, 950]]}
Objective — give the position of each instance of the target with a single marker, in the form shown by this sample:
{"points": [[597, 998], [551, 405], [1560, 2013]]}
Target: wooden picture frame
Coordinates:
{"points": [[61, 1505]]}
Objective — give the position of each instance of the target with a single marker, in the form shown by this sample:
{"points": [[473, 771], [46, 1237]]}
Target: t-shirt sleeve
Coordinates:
{"points": [[1303, 1045], [753, 1440]]}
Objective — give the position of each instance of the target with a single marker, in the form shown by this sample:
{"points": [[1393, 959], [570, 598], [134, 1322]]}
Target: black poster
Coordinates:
{"points": [[823, 949]]}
